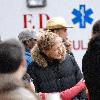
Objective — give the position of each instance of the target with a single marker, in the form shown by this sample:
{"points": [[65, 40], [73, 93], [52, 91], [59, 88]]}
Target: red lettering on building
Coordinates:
{"points": [[83, 46], [76, 46], [41, 19], [79, 45], [26, 20]]}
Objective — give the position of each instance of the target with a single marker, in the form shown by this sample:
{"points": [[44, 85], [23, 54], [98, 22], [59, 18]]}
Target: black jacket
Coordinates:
{"points": [[54, 75], [91, 68]]}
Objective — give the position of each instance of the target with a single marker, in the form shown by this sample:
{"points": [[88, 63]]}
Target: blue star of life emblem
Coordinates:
{"points": [[82, 16]]}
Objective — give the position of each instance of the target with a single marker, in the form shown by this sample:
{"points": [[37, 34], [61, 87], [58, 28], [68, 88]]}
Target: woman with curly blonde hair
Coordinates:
{"points": [[53, 70]]}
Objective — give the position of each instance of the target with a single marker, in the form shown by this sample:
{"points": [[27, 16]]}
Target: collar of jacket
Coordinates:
{"points": [[41, 59], [7, 81]]}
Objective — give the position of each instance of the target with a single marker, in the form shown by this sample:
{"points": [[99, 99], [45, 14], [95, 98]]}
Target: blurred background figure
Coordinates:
{"points": [[12, 69], [53, 69], [28, 38]]}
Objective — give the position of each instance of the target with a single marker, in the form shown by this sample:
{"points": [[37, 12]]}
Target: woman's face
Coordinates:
{"points": [[57, 51]]}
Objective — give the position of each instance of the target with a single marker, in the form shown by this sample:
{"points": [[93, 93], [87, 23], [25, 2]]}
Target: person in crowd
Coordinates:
{"points": [[28, 38], [12, 69], [88, 68], [53, 69], [59, 26]]}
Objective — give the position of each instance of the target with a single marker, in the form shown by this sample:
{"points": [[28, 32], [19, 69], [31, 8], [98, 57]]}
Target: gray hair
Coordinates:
{"points": [[26, 35]]}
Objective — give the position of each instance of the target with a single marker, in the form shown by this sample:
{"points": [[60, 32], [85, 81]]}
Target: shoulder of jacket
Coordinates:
{"points": [[23, 93]]}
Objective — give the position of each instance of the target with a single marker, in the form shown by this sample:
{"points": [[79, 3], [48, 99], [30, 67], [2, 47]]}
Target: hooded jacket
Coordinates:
{"points": [[54, 75]]}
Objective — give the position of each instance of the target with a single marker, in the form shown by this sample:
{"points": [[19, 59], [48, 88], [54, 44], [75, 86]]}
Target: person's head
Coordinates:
{"points": [[57, 25], [94, 42], [12, 58], [51, 45], [96, 28], [28, 38]]}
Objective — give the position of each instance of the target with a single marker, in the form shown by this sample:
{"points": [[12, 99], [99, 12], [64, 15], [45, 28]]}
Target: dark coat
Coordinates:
{"points": [[91, 68], [54, 75]]}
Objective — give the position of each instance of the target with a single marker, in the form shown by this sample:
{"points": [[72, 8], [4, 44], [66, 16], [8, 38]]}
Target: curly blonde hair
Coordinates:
{"points": [[47, 40]]}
